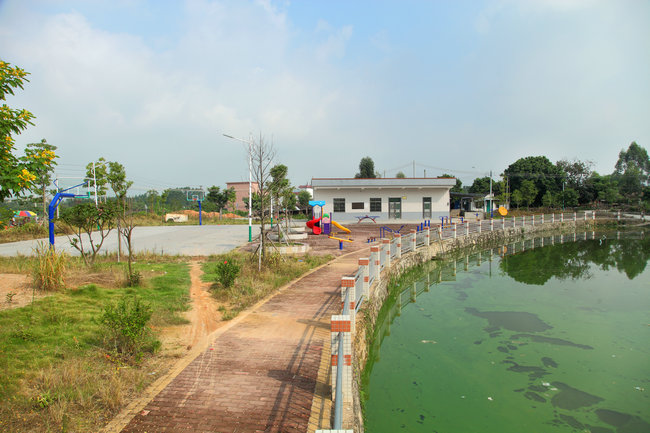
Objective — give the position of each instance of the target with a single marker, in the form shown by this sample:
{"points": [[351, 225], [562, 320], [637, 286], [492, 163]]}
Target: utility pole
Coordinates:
{"points": [[95, 183], [491, 198], [414, 168]]}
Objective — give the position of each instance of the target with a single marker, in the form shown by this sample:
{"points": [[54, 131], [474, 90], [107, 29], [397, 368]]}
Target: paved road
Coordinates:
{"points": [[183, 240]]}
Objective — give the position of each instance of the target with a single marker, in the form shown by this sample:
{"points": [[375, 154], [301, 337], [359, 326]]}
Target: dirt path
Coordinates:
{"points": [[204, 315]]}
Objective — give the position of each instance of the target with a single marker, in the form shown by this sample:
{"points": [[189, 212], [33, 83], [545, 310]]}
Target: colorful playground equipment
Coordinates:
{"points": [[322, 223], [317, 209]]}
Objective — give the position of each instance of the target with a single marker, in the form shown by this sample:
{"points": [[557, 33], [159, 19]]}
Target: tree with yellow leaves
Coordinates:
{"points": [[14, 175], [39, 160]]}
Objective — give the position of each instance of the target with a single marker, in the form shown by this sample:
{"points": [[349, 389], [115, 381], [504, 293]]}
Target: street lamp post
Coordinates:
{"points": [[250, 185]]}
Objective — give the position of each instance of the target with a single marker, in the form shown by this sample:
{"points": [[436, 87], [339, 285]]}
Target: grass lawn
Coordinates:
{"points": [[56, 374]]}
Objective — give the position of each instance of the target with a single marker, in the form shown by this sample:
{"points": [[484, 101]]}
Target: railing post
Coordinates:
{"points": [[398, 239], [542, 219], [533, 222], [514, 222], [480, 229], [585, 215], [523, 221], [375, 257], [575, 216], [593, 215], [341, 327], [562, 217], [503, 223], [364, 264], [553, 217], [618, 215], [491, 225], [414, 242], [454, 230], [466, 228], [347, 285], [427, 236], [385, 244]]}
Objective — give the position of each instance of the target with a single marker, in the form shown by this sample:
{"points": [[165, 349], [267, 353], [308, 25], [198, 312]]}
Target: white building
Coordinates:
{"points": [[391, 200]]}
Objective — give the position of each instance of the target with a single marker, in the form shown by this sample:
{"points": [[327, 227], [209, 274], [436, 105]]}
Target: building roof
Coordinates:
{"points": [[407, 182]]}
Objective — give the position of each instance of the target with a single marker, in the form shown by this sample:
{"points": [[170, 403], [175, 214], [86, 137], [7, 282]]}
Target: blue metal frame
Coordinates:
{"points": [[55, 203]]}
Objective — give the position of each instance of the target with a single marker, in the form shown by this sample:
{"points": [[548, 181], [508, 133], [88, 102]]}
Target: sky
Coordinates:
{"points": [[458, 87]]}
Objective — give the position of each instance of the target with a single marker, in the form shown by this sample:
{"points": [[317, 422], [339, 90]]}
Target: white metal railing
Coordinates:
{"points": [[393, 249]]}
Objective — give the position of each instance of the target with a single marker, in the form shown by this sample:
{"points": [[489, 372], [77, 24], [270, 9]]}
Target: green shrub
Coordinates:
{"points": [[133, 278], [50, 267], [126, 325], [226, 273]]}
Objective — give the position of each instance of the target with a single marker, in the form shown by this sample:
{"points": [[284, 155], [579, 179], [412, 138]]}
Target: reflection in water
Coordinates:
{"points": [[629, 256], [511, 354]]}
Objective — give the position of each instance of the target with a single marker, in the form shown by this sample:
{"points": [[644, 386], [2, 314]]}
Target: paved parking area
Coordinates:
{"points": [[184, 240]]}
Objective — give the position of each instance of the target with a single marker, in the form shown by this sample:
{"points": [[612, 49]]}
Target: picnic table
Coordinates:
{"points": [[371, 217]]}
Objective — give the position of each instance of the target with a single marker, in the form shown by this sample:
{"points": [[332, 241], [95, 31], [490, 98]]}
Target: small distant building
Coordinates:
{"points": [[175, 217], [307, 188], [241, 192], [392, 200]]}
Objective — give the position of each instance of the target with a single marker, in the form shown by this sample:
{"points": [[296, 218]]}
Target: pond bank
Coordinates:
{"points": [[367, 316]]}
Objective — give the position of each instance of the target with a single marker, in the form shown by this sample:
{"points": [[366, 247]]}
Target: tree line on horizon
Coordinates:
{"points": [[535, 181]]}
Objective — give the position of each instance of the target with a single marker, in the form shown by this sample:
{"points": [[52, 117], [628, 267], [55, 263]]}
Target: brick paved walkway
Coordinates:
{"points": [[259, 375]]}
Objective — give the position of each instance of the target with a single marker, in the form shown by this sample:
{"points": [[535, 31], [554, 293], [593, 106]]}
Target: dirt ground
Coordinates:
{"points": [[360, 234], [204, 317], [16, 291]]}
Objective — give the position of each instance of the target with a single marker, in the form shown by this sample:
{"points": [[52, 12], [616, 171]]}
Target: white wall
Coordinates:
{"points": [[411, 205]]}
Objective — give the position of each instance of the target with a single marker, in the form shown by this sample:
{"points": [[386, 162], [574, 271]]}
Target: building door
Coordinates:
{"points": [[426, 207], [395, 208]]}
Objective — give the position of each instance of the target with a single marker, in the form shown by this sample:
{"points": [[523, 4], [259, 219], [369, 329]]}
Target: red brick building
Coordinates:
{"points": [[241, 191]]}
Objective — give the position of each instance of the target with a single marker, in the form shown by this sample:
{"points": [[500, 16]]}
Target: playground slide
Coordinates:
{"points": [[314, 225], [340, 227]]}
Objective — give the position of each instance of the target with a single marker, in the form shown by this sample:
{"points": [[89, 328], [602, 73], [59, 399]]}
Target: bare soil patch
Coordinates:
{"points": [[16, 291], [204, 317]]}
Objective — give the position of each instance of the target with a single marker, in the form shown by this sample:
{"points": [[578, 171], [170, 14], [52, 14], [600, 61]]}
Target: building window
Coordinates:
{"points": [[339, 205], [375, 205], [358, 205]]}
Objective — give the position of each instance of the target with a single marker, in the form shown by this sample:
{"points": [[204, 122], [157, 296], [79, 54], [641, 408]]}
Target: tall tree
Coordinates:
{"points": [[632, 171], [14, 176], [40, 161], [116, 178], [97, 176], [634, 157], [459, 184], [152, 197], [545, 175], [400, 175], [303, 200], [262, 155], [221, 198], [577, 173], [366, 169], [279, 186], [529, 192], [481, 185]]}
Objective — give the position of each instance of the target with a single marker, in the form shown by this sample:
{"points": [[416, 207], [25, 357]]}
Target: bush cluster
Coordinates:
{"points": [[226, 273], [126, 325]]}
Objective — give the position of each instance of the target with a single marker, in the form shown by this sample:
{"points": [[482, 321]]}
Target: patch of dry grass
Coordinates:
{"points": [[252, 285]]}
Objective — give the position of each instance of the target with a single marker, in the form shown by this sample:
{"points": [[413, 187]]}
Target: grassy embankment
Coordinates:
{"points": [[251, 285], [58, 374]]}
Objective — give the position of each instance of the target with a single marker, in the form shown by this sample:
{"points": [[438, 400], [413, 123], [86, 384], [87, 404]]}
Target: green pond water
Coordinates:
{"points": [[554, 338]]}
